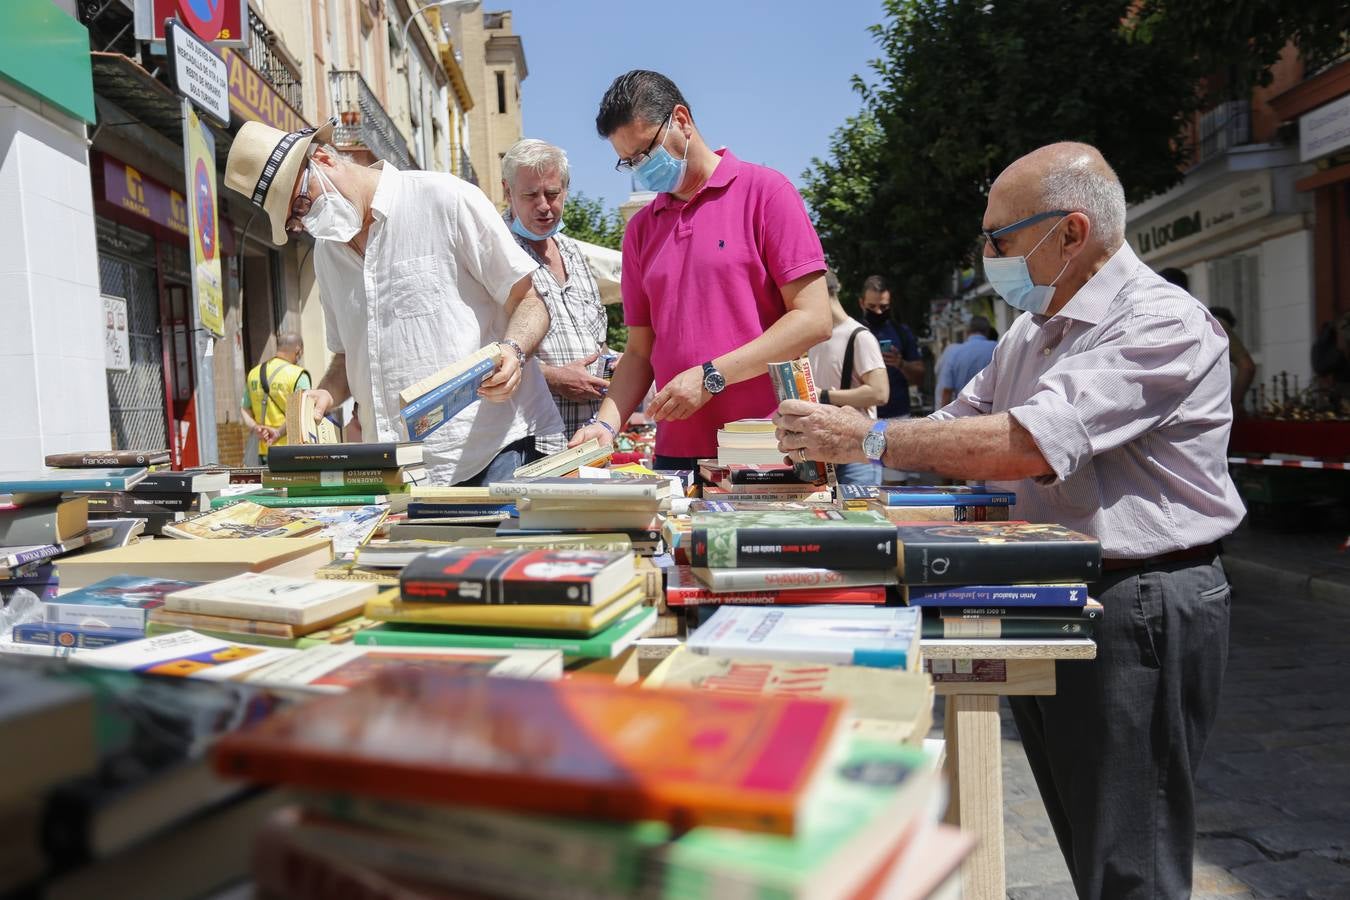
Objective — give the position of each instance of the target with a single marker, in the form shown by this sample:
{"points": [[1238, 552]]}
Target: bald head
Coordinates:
{"points": [[1068, 176], [289, 346]]}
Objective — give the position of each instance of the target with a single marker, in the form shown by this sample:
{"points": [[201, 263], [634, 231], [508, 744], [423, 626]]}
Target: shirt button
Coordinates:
{"points": [[1046, 351]]}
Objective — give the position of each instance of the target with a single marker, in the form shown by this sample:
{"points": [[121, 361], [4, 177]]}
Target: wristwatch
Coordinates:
{"points": [[713, 381], [874, 442], [825, 397]]}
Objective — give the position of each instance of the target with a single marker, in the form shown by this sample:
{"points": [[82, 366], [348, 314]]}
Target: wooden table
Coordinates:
{"points": [[972, 675]]}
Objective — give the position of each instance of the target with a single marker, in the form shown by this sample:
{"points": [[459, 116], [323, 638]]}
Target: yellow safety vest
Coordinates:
{"points": [[270, 408]]}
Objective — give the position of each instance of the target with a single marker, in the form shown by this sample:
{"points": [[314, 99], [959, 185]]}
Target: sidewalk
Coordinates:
{"points": [[1311, 560]]}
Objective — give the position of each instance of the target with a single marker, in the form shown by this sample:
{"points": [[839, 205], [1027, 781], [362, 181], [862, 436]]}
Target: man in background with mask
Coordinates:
{"points": [[724, 267], [416, 270], [899, 347], [1106, 408]]}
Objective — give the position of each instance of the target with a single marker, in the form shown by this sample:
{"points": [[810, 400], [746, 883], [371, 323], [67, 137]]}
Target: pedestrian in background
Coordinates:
{"points": [[962, 362], [899, 348]]}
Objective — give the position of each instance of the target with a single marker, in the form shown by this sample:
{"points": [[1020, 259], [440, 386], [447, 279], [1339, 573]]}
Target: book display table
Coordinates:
{"points": [[972, 675]]}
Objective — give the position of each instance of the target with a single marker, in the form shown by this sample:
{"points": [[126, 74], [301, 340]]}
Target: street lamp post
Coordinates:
{"points": [[436, 4]]}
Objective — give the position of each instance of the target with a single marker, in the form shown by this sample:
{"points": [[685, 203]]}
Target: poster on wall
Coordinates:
{"points": [[203, 224], [220, 22], [116, 338]]}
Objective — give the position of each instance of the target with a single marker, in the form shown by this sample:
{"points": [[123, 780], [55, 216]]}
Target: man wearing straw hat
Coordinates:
{"points": [[415, 270]]}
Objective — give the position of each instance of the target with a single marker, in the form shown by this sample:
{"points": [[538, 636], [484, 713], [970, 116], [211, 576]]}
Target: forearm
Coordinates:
{"points": [[248, 418], [993, 447], [529, 323], [912, 370], [632, 377], [334, 381], [1241, 385], [864, 396]]}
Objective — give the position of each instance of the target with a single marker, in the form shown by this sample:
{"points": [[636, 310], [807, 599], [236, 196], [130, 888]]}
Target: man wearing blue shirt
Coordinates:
{"points": [[964, 361], [899, 347]]}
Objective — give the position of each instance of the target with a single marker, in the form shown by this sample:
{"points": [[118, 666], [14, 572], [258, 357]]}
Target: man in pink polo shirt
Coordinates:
{"points": [[722, 274]]}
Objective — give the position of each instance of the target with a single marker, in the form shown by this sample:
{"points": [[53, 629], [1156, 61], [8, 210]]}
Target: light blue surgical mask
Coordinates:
{"points": [[662, 172], [1011, 279], [529, 235]]}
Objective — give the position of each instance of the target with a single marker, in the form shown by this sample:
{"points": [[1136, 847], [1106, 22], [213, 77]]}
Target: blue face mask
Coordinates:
{"points": [[662, 172], [1011, 279], [529, 235]]}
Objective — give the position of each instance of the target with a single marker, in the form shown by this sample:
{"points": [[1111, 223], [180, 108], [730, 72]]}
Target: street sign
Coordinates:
{"points": [[221, 23], [198, 73]]}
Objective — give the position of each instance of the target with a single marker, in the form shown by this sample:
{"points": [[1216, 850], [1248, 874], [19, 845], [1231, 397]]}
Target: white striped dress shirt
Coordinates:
{"points": [[1126, 393]]}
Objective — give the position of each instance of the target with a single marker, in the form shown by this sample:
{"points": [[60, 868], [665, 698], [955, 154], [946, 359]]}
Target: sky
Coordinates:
{"points": [[770, 80]]}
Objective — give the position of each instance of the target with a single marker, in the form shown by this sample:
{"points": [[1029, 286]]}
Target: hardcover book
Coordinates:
{"points": [[997, 595], [279, 499], [579, 747], [56, 481], [334, 669], [123, 601], [684, 589], [310, 458], [274, 598], [839, 539], [499, 575], [886, 637], [432, 402], [43, 523], [791, 578], [183, 482], [198, 560], [303, 426], [245, 519], [918, 495], [99, 459], [536, 617], [996, 553], [995, 628], [344, 481]]}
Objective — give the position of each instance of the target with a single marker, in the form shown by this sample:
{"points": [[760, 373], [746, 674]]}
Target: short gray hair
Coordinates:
{"points": [[1082, 187], [538, 156]]}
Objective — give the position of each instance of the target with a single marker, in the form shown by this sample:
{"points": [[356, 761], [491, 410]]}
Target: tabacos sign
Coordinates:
{"points": [[1221, 210]]}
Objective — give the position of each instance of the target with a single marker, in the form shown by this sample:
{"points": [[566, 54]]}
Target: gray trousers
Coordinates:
{"points": [[1116, 749]]}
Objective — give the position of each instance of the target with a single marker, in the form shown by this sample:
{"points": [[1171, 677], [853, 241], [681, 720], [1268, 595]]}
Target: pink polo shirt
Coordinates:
{"points": [[704, 275]]}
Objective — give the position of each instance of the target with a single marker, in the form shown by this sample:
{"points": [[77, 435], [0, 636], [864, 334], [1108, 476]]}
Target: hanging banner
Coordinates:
{"points": [[203, 226]]}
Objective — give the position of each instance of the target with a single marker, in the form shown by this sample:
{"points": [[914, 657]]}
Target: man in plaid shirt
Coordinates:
{"points": [[535, 175]]}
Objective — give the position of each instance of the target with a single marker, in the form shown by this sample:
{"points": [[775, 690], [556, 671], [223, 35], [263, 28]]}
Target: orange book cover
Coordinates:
{"points": [[581, 747]]}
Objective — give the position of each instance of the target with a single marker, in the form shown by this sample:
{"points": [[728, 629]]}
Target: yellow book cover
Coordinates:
{"points": [[198, 560], [246, 519], [517, 616], [301, 425]]}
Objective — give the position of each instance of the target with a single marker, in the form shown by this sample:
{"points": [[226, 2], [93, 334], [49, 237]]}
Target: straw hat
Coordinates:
{"points": [[264, 163]]}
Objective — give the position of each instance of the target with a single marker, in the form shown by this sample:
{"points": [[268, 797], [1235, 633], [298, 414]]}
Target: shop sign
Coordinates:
{"points": [[1324, 130], [253, 99], [199, 73], [200, 152], [220, 22], [1232, 206], [125, 187], [116, 339]]}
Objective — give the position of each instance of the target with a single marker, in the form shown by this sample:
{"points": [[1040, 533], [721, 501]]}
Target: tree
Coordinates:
{"points": [[589, 220]]}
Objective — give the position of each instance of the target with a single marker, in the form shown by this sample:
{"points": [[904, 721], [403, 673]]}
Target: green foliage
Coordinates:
{"points": [[589, 220]]}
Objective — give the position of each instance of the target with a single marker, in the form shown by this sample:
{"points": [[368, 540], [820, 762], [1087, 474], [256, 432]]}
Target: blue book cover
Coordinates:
{"points": [[999, 595], [54, 481], [122, 601], [430, 411], [431, 510], [882, 637], [79, 637], [944, 495]]}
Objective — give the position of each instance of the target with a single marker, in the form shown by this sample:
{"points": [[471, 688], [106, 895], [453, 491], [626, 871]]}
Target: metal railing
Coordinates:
{"points": [[272, 66], [1225, 126], [362, 121]]}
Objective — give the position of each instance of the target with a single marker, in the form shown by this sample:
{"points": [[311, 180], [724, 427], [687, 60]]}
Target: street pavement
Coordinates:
{"points": [[1273, 811]]}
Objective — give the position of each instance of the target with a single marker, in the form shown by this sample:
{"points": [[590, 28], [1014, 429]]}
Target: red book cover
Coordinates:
{"points": [[511, 575], [583, 747]]}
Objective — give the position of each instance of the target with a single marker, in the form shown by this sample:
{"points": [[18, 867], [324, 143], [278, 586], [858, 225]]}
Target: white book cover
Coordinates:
{"points": [[886, 637], [334, 668], [274, 598], [185, 654]]}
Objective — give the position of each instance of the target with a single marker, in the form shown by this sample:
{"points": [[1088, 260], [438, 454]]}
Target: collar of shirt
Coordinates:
{"points": [[721, 176], [386, 192], [1093, 299]]}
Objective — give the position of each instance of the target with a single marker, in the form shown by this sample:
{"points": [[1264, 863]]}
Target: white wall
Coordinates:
{"points": [[51, 315], [1287, 308]]}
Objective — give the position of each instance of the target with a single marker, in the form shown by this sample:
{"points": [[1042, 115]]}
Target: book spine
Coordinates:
{"points": [[432, 410], [74, 636], [1057, 613], [440, 637], [335, 478], [980, 595], [796, 579], [911, 514], [582, 488], [288, 502], [103, 461], [309, 458], [147, 503], [453, 510], [429, 588], [834, 547], [992, 629], [56, 612], [950, 563], [225, 624], [24, 557], [893, 498], [791, 381], [533, 617], [694, 596], [233, 609]]}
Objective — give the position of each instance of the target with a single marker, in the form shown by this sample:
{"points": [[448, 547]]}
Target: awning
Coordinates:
{"points": [[605, 266]]}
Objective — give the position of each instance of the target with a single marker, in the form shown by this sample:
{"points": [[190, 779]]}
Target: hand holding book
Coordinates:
{"points": [[502, 383], [814, 431]]}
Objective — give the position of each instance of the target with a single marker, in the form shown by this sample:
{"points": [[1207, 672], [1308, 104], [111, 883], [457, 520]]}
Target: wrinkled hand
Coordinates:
{"points": [[323, 402], [592, 432], [822, 433], [502, 383], [681, 397], [574, 382]]}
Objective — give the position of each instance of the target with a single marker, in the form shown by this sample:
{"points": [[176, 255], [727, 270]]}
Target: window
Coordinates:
{"points": [[501, 92], [1234, 282]]}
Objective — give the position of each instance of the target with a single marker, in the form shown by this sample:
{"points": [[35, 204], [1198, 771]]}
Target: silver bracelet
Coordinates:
{"points": [[520, 353]]}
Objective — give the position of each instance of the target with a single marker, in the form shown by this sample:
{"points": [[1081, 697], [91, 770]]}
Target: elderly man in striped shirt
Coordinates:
{"points": [[1107, 408]]}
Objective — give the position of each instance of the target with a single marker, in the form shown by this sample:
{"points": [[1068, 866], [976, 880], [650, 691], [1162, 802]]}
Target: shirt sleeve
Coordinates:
{"points": [[944, 371], [866, 355], [302, 383], [1136, 377], [484, 245], [637, 308], [791, 247], [909, 344]]}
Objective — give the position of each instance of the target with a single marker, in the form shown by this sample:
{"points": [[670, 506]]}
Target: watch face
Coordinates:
{"points": [[714, 381], [874, 444]]}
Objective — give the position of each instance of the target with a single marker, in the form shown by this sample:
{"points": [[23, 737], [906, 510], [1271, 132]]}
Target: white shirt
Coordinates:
{"points": [[431, 289], [827, 358]]}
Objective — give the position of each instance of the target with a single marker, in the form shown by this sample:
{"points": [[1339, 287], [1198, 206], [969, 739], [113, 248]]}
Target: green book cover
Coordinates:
{"points": [[821, 537], [871, 796], [275, 498], [606, 644]]}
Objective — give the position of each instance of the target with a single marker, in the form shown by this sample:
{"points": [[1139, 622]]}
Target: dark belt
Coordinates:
{"points": [[1206, 551]]}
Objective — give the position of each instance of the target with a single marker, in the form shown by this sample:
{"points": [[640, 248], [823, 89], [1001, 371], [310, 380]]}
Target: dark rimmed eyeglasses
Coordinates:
{"points": [[300, 206], [635, 162], [993, 236]]}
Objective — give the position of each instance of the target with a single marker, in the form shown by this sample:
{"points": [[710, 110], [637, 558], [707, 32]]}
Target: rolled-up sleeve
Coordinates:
{"points": [[1128, 383]]}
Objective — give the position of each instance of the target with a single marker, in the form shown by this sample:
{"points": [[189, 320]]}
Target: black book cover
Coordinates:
{"points": [[821, 537], [996, 553], [318, 457]]}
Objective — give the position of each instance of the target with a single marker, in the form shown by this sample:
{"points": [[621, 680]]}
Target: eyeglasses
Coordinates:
{"points": [[300, 206], [635, 162], [993, 236]]}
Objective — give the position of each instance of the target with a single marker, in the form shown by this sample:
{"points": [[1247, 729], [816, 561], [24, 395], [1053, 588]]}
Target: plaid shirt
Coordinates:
{"points": [[578, 329]]}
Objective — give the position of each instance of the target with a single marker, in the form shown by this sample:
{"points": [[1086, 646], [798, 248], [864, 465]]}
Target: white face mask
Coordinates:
{"points": [[332, 217]]}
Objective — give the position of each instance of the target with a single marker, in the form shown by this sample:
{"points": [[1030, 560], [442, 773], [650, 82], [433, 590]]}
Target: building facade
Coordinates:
{"points": [[493, 62]]}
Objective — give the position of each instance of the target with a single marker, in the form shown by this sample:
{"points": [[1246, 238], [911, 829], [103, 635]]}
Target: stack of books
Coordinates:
{"points": [[201, 561], [588, 604], [111, 611], [420, 784], [341, 474], [566, 462], [942, 503], [446, 513], [40, 521], [145, 490], [624, 504], [748, 442]]}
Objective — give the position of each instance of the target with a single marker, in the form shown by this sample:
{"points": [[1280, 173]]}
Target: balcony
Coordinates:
{"points": [[363, 122], [1224, 127], [266, 55]]}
